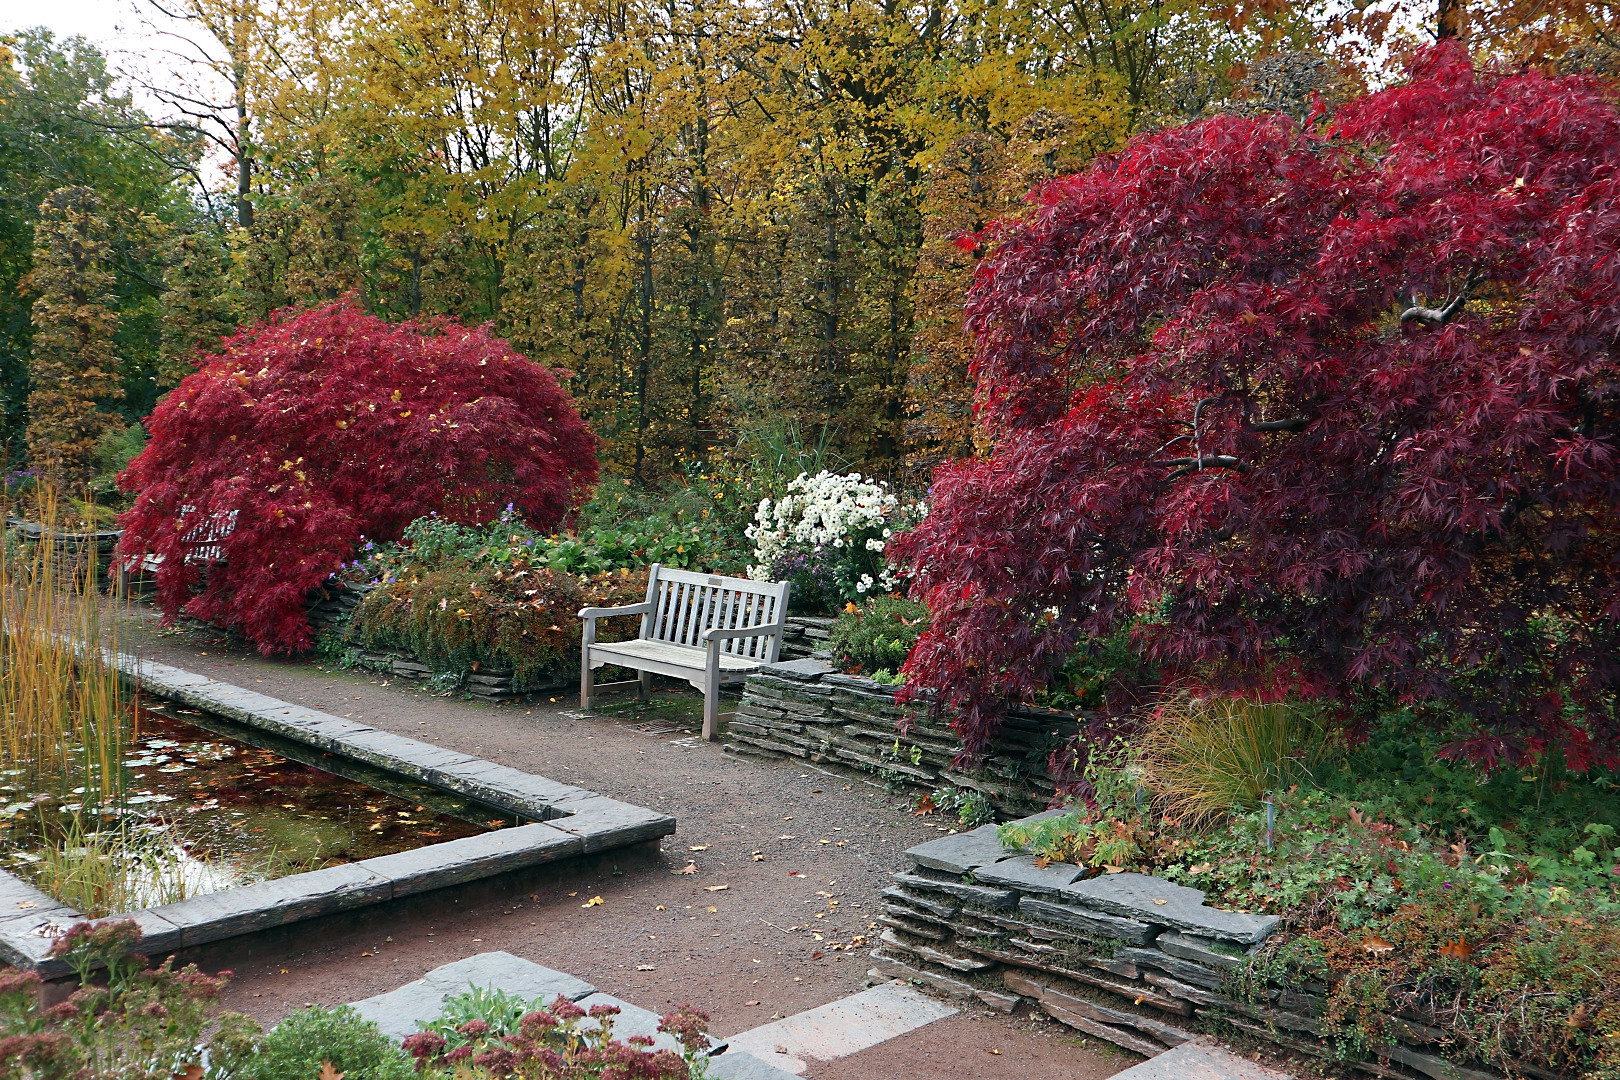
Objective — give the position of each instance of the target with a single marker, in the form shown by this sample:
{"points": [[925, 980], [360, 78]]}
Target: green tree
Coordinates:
{"points": [[74, 372]]}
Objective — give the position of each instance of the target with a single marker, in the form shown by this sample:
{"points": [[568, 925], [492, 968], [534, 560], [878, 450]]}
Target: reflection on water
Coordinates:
{"points": [[204, 811]]}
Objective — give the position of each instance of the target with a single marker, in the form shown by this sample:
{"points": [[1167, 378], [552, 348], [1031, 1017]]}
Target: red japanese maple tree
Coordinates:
{"points": [[314, 431], [1331, 411]]}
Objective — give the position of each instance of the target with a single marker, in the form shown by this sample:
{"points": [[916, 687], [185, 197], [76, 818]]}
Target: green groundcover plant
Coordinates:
{"points": [[1412, 888], [131, 1021], [877, 636]]}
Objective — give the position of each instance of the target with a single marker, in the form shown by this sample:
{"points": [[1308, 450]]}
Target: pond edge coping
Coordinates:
{"points": [[563, 821]]}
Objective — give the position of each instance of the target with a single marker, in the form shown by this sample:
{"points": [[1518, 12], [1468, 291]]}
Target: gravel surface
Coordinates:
{"points": [[786, 867]]}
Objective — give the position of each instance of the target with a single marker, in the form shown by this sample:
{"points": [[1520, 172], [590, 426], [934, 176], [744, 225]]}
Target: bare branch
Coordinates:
{"points": [[1293, 423]]}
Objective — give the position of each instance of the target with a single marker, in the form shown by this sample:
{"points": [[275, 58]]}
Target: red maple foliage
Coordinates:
{"points": [[319, 429], [1330, 411]]}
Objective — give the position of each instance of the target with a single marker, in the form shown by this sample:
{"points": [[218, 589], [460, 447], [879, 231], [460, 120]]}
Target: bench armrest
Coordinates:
{"points": [[717, 634], [605, 612]]}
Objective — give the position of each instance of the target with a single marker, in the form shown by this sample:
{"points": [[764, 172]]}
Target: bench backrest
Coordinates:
{"points": [[685, 604]]}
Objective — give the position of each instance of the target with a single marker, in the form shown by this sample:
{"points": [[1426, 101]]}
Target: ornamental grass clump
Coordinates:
{"points": [[1205, 757]]}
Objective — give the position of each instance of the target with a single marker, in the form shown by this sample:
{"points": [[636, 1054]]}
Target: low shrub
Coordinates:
{"points": [[561, 1041], [307, 1040], [456, 615], [877, 635]]}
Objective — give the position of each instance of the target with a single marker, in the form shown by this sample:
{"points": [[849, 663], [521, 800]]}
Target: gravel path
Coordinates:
{"points": [[788, 864]]}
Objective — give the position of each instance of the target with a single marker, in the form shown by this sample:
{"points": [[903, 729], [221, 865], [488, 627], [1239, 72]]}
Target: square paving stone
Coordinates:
{"points": [[247, 908], [473, 857], [741, 1065], [401, 1012], [963, 853], [1155, 900]]}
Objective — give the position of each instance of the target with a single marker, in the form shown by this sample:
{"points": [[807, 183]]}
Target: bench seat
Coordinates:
{"points": [[705, 628]]}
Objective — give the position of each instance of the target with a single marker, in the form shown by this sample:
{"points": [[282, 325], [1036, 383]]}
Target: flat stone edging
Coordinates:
{"points": [[565, 821], [972, 919]]}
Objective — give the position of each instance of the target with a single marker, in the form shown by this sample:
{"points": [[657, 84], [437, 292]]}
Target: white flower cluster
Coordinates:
{"points": [[825, 510]]}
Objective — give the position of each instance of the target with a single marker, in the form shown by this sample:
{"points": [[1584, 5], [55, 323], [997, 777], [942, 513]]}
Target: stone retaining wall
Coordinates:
{"points": [[1129, 958], [805, 709]]}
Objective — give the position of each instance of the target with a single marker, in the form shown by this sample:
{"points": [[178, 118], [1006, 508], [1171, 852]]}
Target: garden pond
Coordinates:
{"points": [[209, 804]]}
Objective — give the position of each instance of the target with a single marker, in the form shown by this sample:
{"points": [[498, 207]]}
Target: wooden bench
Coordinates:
{"points": [[706, 629]]}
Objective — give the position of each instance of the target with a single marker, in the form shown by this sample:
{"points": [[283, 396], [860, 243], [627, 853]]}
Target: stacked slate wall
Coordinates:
{"points": [[1129, 958], [805, 709]]}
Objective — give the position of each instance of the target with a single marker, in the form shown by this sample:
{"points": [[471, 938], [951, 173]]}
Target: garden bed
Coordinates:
{"points": [[806, 709], [1131, 958], [542, 821]]}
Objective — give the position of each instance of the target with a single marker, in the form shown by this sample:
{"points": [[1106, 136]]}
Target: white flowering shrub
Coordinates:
{"points": [[828, 536]]}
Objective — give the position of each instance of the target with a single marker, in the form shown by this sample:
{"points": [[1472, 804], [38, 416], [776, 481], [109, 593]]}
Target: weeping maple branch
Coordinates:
{"points": [[1432, 317]]}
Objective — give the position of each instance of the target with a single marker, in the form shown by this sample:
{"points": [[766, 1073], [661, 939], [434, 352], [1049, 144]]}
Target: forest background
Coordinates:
{"points": [[723, 219]]}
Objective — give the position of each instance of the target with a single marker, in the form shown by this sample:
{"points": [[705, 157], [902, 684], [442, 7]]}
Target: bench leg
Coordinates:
{"points": [[587, 682], [711, 713], [644, 689]]}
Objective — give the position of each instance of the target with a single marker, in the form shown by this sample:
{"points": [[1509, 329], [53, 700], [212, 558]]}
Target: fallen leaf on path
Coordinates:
{"points": [[595, 901], [716, 888], [1113, 869], [645, 967], [794, 873], [757, 857], [817, 955], [689, 868], [787, 836], [711, 910], [750, 1003], [660, 907], [698, 847]]}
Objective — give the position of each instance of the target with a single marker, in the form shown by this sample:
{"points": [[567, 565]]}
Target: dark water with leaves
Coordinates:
{"points": [[205, 809]]}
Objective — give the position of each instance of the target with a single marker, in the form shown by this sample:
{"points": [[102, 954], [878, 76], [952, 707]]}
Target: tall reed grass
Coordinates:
{"points": [[1206, 757], [64, 711]]}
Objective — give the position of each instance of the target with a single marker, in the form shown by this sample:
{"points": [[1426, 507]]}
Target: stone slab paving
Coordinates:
{"points": [[401, 1012], [841, 1028], [1198, 1060]]}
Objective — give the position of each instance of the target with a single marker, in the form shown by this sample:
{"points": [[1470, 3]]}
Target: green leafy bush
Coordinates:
{"points": [[311, 1037], [878, 635]]}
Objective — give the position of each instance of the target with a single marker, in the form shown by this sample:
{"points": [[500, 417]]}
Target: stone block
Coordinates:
{"points": [[806, 670], [998, 899], [1021, 873], [1089, 922], [888, 966], [1154, 900], [741, 1065], [1185, 970], [17, 897], [473, 857], [1198, 1060], [902, 898], [963, 853], [402, 1012], [604, 823], [1206, 951], [247, 908]]}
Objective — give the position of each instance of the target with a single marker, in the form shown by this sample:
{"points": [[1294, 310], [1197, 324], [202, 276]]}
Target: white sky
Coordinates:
{"points": [[122, 31]]}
